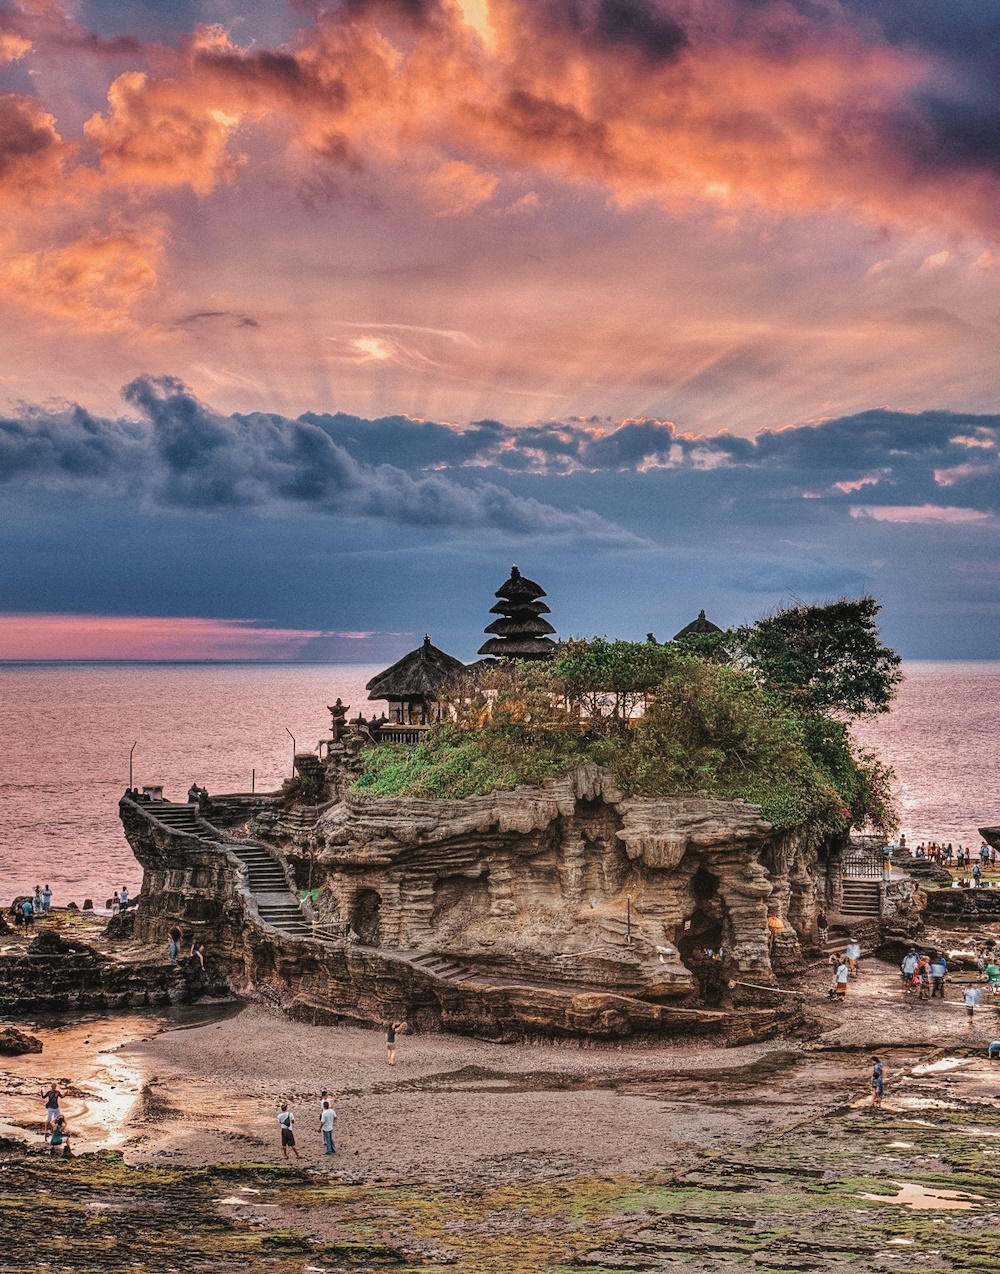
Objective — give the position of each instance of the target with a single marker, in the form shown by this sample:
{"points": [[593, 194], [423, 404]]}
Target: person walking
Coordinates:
{"points": [[822, 924], [27, 915], [286, 1121], [908, 968], [174, 945], [327, 1118], [390, 1041], [839, 989], [52, 1111], [878, 1082], [970, 998], [939, 971], [977, 875], [46, 898], [853, 954]]}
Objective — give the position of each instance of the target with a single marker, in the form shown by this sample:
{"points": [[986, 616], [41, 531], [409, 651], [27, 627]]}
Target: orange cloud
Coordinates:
{"points": [[158, 133], [94, 281], [32, 153]]}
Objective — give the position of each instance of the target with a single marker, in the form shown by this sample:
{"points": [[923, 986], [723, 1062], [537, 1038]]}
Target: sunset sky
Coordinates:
{"points": [[316, 317]]}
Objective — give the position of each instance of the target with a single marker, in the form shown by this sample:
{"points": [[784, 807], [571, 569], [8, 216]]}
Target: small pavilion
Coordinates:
{"points": [[414, 683], [697, 626], [520, 632]]}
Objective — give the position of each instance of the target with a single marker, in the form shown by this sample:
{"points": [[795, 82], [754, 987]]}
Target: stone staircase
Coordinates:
{"points": [[861, 899], [442, 967], [277, 906]]}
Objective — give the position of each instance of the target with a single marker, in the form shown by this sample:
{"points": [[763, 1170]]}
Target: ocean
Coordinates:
{"points": [[66, 731]]}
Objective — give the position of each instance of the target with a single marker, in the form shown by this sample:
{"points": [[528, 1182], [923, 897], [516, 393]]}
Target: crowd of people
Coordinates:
{"points": [[963, 859]]}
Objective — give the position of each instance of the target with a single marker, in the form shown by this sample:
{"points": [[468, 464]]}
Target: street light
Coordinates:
{"points": [[131, 750], [292, 737]]}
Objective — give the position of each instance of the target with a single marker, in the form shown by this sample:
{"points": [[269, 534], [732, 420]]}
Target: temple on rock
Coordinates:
{"points": [[697, 626], [414, 684], [520, 632]]}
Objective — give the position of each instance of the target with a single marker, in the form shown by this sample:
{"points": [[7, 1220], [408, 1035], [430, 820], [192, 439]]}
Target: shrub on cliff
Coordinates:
{"points": [[707, 726]]}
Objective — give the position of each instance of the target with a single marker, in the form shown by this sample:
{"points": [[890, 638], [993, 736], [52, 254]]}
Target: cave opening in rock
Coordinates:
{"points": [[700, 936], [366, 917]]}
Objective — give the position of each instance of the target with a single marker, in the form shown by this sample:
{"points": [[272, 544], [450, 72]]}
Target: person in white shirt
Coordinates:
{"points": [[327, 1118]]}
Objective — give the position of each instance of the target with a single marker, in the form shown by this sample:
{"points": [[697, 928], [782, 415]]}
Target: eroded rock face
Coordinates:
{"points": [[54, 974], [564, 908]]}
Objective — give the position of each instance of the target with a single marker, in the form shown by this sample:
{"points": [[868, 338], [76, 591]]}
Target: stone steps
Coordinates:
{"points": [[861, 898]]}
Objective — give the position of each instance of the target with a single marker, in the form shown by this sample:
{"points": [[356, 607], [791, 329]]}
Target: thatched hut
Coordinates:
{"points": [[413, 684], [697, 626]]}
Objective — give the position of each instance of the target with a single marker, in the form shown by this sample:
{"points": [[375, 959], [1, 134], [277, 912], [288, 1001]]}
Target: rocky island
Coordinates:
{"points": [[603, 899]]}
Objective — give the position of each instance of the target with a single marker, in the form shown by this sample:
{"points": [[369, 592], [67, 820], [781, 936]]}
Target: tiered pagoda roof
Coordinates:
{"points": [[520, 632]]}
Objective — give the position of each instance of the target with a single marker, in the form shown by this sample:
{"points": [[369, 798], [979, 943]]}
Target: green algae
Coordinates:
{"points": [[791, 1202]]}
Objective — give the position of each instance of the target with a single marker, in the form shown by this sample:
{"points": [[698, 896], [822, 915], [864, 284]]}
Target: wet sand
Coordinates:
{"points": [[209, 1093]]}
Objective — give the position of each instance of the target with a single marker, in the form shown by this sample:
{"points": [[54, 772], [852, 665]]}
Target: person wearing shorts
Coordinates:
{"points": [[970, 997], [390, 1041], [286, 1122], [52, 1111]]}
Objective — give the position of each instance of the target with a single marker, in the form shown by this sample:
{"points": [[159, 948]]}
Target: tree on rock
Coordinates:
{"points": [[825, 658]]}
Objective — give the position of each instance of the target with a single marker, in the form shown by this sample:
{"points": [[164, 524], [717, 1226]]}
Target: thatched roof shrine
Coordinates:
{"points": [[416, 679], [520, 632], [696, 626]]}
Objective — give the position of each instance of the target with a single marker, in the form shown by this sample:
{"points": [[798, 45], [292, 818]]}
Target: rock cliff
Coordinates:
{"points": [[561, 909]]}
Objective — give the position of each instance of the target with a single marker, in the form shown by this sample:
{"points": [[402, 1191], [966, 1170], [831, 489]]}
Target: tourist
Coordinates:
{"points": [[970, 997], [327, 1118], [854, 957], [59, 1137], [822, 924], [116, 905], [939, 971], [878, 1082], [286, 1121], [908, 968], [52, 1111], [36, 901], [839, 988], [198, 952], [993, 1052], [924, 977], [977, 875], [123, 897], [174, 945], [390, 1041], [193, 794], [46, 898], [27, 915]]}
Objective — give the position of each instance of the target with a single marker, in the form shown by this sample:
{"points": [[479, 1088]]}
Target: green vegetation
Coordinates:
{"points": [[759, 713]]}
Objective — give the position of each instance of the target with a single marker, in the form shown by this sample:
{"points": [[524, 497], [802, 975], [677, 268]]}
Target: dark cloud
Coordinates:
{"points": [[184, 455], [214, 316], [640, 24]]}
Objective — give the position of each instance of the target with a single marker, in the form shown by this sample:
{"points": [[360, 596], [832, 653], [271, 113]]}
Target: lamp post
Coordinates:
{"points": [[130, 751], [292, 737]]}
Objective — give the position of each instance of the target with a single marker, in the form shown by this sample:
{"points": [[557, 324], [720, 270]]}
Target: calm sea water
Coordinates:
{"points": [[66, 730]]}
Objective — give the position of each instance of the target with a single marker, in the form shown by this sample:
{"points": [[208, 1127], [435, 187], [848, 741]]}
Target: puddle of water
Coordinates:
{"points": [[901, 1145], [935, 1068], [916, 1196]]}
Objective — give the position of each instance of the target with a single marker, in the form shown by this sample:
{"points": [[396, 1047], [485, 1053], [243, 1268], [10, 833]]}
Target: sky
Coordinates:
{"points": [[316, 317]]}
